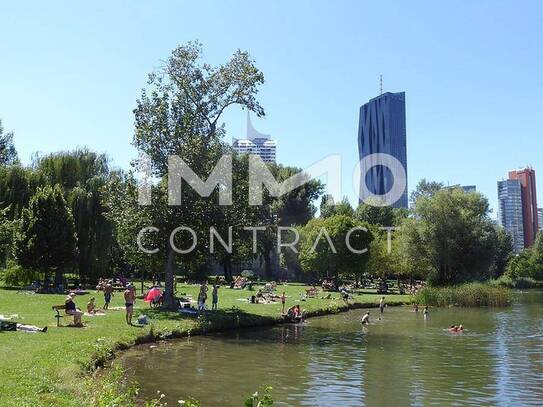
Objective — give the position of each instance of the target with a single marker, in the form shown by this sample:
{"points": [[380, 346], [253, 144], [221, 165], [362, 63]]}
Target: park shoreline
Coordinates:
{"points": [[239, 321]]}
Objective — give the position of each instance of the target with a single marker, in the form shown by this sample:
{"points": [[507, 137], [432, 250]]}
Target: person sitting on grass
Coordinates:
{"points": [[71, 309], [91, 306]]}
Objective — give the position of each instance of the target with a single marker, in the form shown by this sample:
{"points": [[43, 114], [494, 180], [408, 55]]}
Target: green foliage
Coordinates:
{"points": [[46, 240], [263, 399], [321, 259], [373, 213], [8, 153], [113, 390], [520, 282], [7, 229], [16, 276], [248, 274], [328, 207], [465, 295], [503, 252], [528, 263], [425, 189], [452, 237]]}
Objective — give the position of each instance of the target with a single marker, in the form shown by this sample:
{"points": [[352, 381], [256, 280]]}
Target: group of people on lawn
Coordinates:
{"points": [[92, 309]]}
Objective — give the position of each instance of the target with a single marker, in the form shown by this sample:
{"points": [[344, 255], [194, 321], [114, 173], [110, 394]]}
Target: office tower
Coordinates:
{"points": [[510, 211], [256, 143], [381, 129], [540, 218], [526, 176]]}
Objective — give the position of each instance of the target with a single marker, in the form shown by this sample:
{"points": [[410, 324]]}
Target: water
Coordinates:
{"points": [[334, 361]]}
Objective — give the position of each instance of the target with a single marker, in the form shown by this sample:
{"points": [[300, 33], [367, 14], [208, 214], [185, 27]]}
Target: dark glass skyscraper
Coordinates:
{"points": [[381, 129]]}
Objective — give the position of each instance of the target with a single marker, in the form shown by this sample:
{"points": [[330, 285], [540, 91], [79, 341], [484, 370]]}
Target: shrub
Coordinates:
{"points": [[519, 282], [248, 274], [15, 275], [465, 295]]}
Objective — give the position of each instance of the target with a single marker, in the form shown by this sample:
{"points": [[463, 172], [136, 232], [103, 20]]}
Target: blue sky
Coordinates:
{"points": [[472, 72]]}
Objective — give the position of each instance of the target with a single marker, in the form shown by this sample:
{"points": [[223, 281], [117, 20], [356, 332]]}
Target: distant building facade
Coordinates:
{"points": [[256, 143], [469, 188], [540, 218], [381, 129], [526, 176], [510, 211]]}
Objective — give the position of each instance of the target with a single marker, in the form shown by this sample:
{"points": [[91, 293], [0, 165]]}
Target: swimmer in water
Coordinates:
{"points": [[366, 318]]}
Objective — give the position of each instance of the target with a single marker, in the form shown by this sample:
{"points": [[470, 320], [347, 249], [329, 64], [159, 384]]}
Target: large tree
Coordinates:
{"points": [[452, 236], [46, 240], [179, 114], [333, 257], [83, 175]]}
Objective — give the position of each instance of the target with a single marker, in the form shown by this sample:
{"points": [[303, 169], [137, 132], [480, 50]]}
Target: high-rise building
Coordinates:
{"points": [[526, 176], [540, 218], [510, 211], [381, 129], [256, 143]]}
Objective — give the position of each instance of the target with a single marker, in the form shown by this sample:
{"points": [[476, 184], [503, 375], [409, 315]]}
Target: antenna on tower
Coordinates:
{"points": [[381, 84]]}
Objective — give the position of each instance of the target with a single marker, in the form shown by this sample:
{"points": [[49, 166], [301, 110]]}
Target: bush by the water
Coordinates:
{"points": [[520, 282], [465, 295]]}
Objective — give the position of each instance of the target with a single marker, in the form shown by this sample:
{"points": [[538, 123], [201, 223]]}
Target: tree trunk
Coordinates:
{"points": [[169, 298], [227, 267], [58, 278], [267, 263]]}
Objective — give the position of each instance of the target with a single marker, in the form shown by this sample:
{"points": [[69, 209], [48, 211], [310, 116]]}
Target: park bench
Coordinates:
{"points": [[57, 308]]}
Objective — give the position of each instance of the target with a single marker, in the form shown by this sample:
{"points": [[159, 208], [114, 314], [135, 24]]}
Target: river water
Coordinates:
{"points": [[400, 360]]}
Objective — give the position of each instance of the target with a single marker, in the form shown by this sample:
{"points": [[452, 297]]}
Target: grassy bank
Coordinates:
{"points": [[55, 368], [465, 295]]}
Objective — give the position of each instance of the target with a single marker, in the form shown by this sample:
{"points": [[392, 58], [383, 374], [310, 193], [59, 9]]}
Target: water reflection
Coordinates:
{"points": [[333, 361]]}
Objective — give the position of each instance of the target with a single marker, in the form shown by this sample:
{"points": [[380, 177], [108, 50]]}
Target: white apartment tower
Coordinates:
{"points": [[256, 143]]}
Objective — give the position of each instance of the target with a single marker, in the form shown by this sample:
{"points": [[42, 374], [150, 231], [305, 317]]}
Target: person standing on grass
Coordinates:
{"points": [[215, 297], [202, 297], [283, 302], [108, 293], [382, 305], [129, 299]]}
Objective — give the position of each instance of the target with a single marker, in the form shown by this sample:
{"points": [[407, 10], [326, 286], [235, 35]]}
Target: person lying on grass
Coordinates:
{"points": [[21, 327]]}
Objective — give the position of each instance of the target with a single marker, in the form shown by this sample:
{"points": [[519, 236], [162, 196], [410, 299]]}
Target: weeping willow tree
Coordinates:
{"points": [[83, 175]]}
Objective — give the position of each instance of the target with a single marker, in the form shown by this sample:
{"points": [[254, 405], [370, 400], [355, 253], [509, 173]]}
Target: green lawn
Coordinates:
{"points": [[53, 368]]}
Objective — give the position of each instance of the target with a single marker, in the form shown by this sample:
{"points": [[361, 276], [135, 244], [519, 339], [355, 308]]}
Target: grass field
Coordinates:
{"points": [[56, 368]]}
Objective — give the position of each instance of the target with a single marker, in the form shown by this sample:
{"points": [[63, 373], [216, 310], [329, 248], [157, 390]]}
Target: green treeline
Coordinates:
{"points": [[72, 214]]}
